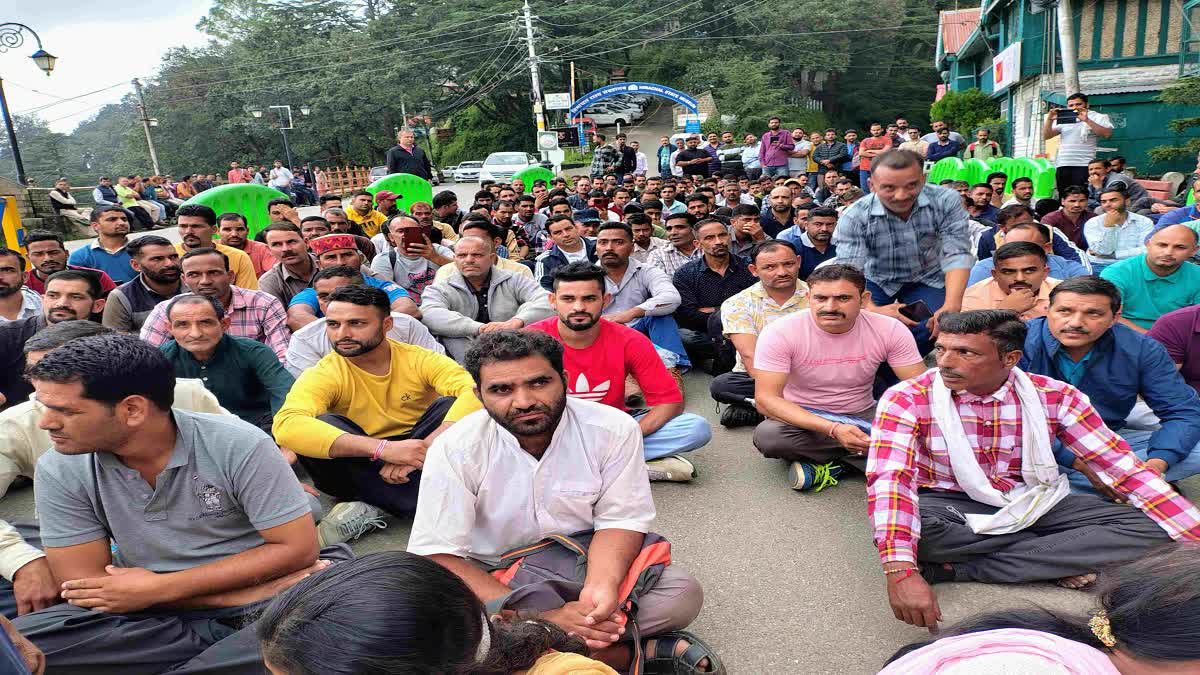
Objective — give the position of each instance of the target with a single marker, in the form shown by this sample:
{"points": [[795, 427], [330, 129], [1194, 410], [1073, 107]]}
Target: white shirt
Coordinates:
{"points": [[743, 198], [676, 170], [575, 256], [311, 343], [281, 177], [482, 495], [1077, 144], [641, 163], [800, 163], [31, 305]]}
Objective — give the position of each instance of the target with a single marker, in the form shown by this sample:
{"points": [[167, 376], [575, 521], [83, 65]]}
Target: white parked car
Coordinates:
{"points": [[448, 172], [467, 172], [502, 166], [617, 108], [607, 118]]}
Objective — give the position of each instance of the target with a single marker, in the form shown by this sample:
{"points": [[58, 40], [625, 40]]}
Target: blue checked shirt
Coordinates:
{"points": [[892, 252]]}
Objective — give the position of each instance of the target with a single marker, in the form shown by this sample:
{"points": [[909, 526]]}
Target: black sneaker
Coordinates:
{"points": [[735, 416]]}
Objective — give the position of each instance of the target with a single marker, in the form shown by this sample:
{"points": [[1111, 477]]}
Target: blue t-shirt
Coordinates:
{"points": [[116, 265], [308, 296]]}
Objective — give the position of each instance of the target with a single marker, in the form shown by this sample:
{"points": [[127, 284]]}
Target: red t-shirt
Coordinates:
{"points": [[598, 372], [872, 143]]}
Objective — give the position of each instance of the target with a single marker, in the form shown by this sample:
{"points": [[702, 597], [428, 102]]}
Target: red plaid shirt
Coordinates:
{"points": [[254, 314], [908, 452]]}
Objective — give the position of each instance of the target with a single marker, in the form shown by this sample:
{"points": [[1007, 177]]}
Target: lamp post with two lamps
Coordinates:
{"points": [[11, 37], [285, 122]]}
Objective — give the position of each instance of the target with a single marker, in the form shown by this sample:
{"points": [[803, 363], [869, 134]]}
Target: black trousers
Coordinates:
{"points": [[732, 388], [1066, 176], [357, 479]]}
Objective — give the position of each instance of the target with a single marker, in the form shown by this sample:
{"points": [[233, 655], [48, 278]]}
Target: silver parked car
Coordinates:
{"points": [[467, 172]]}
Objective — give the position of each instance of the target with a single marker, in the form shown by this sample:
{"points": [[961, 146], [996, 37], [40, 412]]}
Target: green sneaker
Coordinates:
{"points": [[348, 521], [816, 477]]}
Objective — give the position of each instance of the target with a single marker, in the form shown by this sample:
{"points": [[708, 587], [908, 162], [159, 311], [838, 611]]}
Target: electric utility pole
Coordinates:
{"points": [[145, 119], [538, 116]]}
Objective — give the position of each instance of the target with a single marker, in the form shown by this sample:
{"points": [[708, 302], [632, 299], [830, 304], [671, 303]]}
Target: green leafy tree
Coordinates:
{"points": [[964, 110], [1183, 92]]}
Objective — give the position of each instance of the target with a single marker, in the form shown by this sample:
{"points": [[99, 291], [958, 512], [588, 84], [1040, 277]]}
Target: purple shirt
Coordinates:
{"points": [[776, 147], [1179, 332]]}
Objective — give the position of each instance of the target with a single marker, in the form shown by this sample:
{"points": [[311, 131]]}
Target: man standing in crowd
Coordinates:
{"points": [[605, 158], [975, 437], [1116, 234], [241, 528], [197, 227], [407, 157], [504, 467], [693, 159], [628, 156], [47, 254], [813, 377], [870, 148], [281, 178], [703, 284], [1160, 280], [1079, 139], [1020, 282], [937, 125], [107, 253], [245, 375], [363, 417], [236, 174], [479, 298], [911, 240], [1058, 267], [1080, 342], [664, 156], [233, 232], [252, 314], [777, 294], [984, 148], [831, 154], [599, 354], [943, 147], [156, 262]]}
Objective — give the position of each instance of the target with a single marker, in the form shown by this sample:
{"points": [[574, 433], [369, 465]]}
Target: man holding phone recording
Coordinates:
{"points": [[1080, 130], [413, 260]]}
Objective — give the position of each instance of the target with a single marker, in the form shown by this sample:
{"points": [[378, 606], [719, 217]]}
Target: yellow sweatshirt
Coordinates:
{"points": [[384, 406]]}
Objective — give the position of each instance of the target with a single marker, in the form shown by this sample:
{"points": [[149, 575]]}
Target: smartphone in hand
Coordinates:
{"points": [[916, 311]]}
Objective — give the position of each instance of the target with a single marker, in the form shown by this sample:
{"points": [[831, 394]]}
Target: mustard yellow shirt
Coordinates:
{"points": [[239, 264], [383, 405], [564, 663], [370, 222]]}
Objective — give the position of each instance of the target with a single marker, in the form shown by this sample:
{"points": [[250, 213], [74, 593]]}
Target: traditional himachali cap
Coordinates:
{"points": [[332, 242]]}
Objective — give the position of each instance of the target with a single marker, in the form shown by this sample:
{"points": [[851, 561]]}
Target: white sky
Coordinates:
{"points": [[97, 44]]}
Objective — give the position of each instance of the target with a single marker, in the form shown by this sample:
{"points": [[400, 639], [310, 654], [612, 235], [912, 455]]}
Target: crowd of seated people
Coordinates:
{"points": [[1021, 405]]}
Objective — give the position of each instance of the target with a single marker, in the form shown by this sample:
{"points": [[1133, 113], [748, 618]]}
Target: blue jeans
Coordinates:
{"points": [[773, 171], [909, 293], [1138, 440], [664, 333], [864, 180], [684, 433]]}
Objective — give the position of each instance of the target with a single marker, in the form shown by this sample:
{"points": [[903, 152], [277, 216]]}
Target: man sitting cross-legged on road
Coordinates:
{"points": [[156, 262], [311, 343], [537, 463], [962, 461], [1161, 280], [599, 354], [362, 418], [813, 377], [165, 528], [478, 297], [777, 294], [1083, 343], [245, 375]]}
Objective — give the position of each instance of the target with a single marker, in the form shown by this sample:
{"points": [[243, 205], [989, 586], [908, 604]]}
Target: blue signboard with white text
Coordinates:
{"points": [[640, 88]]}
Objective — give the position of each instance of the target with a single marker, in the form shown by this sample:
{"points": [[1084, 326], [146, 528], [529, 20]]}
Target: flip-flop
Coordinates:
{"points": [[663, 660]]}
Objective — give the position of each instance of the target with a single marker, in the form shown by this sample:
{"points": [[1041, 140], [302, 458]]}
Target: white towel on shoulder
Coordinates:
{"points": [[1044, 485]]}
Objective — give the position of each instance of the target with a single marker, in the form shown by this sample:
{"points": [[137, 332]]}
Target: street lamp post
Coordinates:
{"points": [[285, 123], [11, 37]]}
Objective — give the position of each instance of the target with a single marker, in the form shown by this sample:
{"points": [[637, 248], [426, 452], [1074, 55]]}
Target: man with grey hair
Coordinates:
{"points": [[478, 298], [406, 157]]}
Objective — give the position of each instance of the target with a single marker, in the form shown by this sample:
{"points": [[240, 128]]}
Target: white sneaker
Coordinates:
{"points": [[671, 468], [348, 521]]}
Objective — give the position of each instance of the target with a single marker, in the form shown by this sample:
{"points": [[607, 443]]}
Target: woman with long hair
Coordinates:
{"points": [[1147, 621], [396, 612]]}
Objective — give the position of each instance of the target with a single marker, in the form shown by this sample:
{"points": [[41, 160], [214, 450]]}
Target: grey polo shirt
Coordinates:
{"points": [[225, 481]]}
